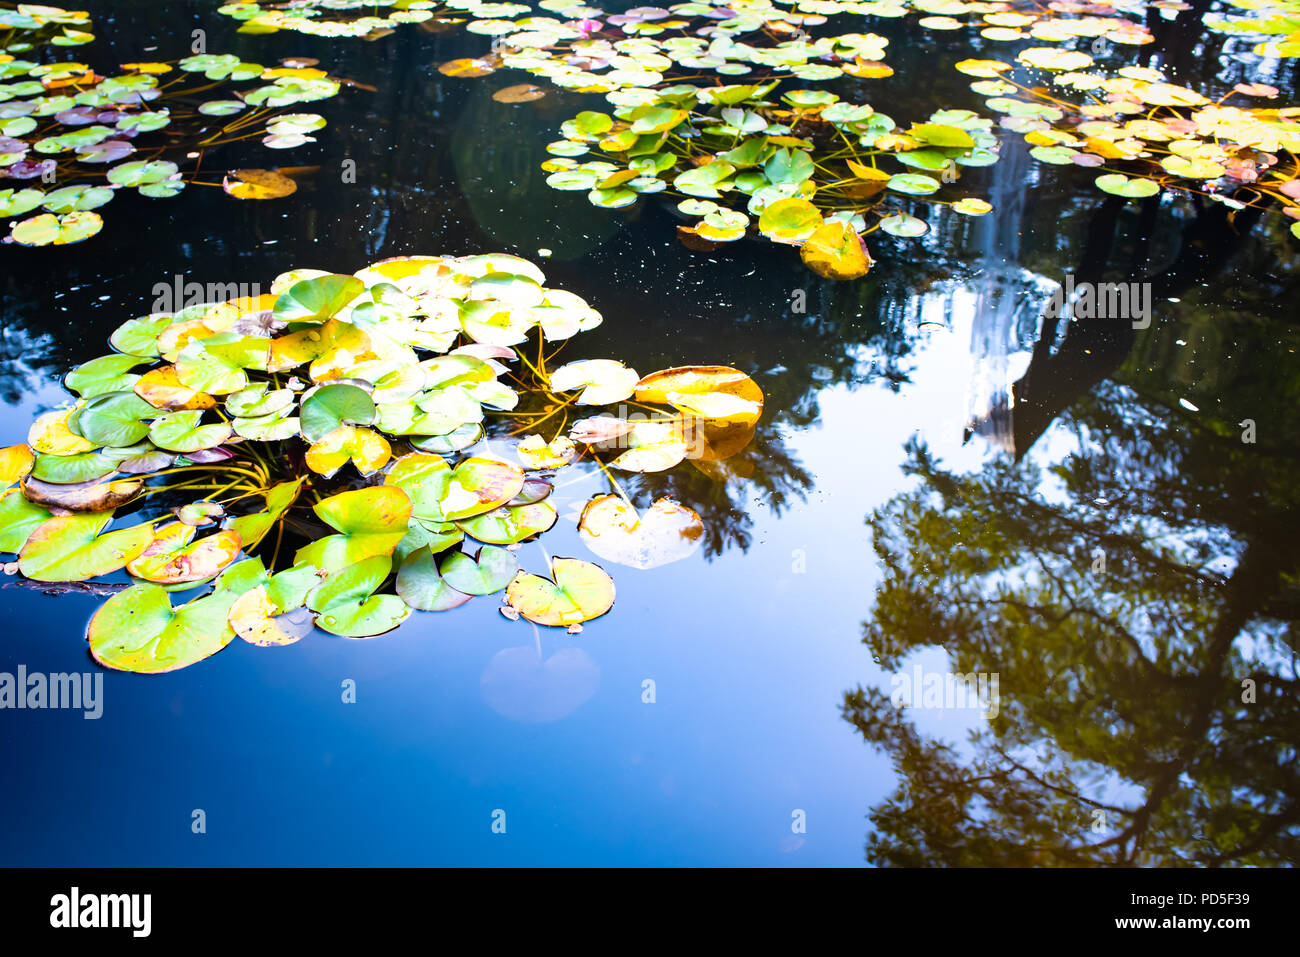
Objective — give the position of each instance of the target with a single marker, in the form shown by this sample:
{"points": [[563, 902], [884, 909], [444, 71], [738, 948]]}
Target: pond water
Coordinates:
{"points": [[945, 478]]}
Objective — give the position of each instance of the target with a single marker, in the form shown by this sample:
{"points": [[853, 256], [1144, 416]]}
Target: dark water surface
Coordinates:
{"points": [[1103, 541]]}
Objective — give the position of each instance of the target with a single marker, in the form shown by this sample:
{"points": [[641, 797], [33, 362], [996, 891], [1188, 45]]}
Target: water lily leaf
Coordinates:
{"points": [[275, 427], [326, 342], [536, 453], [91, 496], [491, 570], [970, 206], [836, 251], [71, 469], [367, 450], [271, 613], [181, 432], [519, 93], [788, 166], [602, 380], [438, 536], [982, 68], [252, 528], [15, 462], [939, 134], [466, 68], [495, 323], [454, 441], [789, 220], [478, 485], [510, 524], [1191, 167], [139, 337], [1121, 185], [317, 298], [651, 446], [534, 490], [49, 433], [714, 392], [901, 224], [333, 405], [217, 364], [138, 630], [48, 229], [142, 173], [114, 419], [914, 183], [704, 181], [200, 513], [664, 533], [370, 521], [18, 519], [422, 587], [258, 184], [346, 603], [174, 557], [16, 202], [258, 401], [424, 478], [72, 198], [580, 592], [71, 548], [1050, 58]]}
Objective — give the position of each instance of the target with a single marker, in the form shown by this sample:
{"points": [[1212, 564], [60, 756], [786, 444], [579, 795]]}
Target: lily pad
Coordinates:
{"points": [[346, 603], [579, 591]]}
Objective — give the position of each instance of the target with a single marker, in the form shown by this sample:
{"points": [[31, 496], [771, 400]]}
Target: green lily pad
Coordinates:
{"points": [[181, 432], [346, 603], [18, 519], [422, 587], [114, 419], [580, 591], [370, 522], [489, 571], [333, 405], [1120, 185], [71, 548], [138, 630], [318, 299], [252, 528], [510, 524]]}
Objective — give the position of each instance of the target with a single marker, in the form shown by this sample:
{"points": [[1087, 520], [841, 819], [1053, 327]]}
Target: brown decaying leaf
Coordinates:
{"points": [[97, 496]]}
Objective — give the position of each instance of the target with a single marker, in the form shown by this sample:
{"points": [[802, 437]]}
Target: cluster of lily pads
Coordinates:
{"points": [[807, 170], [1059, 21], [802, 167], [306, 454], [88, 136], [1144, 134], [1270, 18], [360, 18], [28, 26]]}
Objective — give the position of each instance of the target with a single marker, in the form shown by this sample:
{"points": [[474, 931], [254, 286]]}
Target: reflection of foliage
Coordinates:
{"points": [[26, 26], [1122, 617], [64, 124], [222, 427]]}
